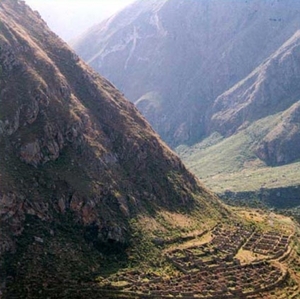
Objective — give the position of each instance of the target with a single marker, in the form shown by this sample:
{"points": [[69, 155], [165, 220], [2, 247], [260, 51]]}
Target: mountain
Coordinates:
{"points": [[174, 65], [81, 170], [218, 82]]}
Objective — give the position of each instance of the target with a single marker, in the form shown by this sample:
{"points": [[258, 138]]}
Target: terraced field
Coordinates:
{"points": [[239, 261]]}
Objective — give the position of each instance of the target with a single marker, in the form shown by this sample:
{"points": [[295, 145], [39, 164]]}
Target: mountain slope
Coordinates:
{"points": [[271, 88], [78, 164], [254, 128], [174, 65]]}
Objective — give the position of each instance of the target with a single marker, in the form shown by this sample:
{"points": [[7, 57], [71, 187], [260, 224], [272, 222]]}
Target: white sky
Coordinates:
{"points": [[69, 18]]}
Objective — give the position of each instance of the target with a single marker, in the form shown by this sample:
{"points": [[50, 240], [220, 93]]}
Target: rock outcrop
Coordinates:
{"points": [[282, 145]]}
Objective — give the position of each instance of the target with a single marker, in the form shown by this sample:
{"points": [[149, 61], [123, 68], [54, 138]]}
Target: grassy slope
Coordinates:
{"points": [[230, 164]]}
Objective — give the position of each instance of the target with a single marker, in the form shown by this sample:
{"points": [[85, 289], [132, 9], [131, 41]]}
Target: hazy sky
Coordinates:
{"points": [[69, 18]]}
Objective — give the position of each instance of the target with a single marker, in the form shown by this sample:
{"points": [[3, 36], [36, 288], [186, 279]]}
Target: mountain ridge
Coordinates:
{"points": [[30, 152], [270, 89], [79, 164]]}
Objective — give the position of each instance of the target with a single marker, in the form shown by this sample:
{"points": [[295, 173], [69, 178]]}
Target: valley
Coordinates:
{"points": [[94, 204], [238, 173]]}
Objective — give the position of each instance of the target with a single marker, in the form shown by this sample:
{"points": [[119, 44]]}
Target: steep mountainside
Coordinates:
{"points": [[174, 65], [78, 165]]}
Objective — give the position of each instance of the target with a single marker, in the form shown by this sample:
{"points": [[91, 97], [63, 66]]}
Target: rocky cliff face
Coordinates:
{"points": [[174, 65], [73, 151]]}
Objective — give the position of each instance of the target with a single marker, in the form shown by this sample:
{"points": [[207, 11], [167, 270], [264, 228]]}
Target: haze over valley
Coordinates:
{"points": [[70, 18]]}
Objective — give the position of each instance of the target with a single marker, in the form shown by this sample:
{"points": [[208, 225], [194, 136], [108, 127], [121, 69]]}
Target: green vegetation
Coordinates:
{"points": [[143, 253], [255, 179], [231, 164]]}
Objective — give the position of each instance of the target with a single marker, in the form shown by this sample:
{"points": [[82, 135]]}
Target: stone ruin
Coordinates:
{"points": [[211, 270]]}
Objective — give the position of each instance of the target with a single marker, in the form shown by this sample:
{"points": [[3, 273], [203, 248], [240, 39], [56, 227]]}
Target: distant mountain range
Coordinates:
{"points": [[201, 69], [78, 164]]}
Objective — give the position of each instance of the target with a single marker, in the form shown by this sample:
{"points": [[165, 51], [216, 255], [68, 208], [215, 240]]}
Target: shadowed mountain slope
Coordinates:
{"points": [[78, 163]]}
